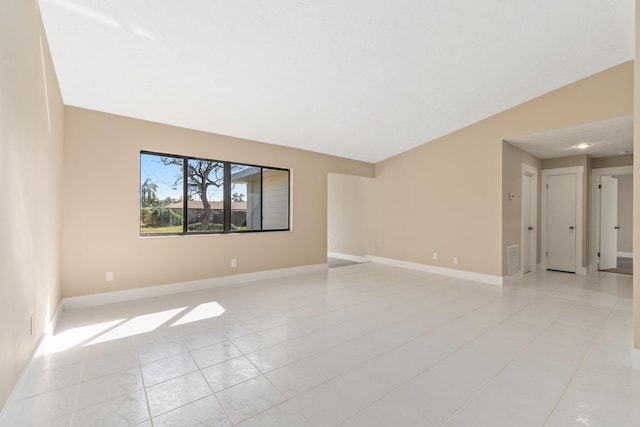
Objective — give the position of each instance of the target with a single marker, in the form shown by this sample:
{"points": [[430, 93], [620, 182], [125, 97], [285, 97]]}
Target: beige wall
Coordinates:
{"points": [[31, 136], [512, 160], [351, 215], [453, 188], [101, 204], [636, 187], [584, 161], [450, 193], [611, 162], [625, 213]]}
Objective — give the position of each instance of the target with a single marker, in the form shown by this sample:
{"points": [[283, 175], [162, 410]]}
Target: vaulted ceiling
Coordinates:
{"points": [[363, 79]]}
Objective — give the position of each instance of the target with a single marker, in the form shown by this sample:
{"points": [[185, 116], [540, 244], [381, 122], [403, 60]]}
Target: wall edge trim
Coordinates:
{"points": [[354, 258], [103, 298], [443, 271]]}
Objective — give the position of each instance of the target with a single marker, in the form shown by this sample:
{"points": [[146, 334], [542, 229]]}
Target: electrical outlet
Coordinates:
{"points": [[456, 260], [109, 277], [435, 255], [234, 263]]}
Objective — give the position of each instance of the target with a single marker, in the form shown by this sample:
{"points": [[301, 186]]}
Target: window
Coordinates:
{"points": [[183, 195], [205, 196], [161, 207], [275, 195], [246, 197]]}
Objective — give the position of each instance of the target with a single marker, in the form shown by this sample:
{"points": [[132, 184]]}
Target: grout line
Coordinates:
{"points": [[359, 296], [144, 387], [443, 357], [435, 363], [484, 387], [330, 347], [582, 359], [533, 300]]}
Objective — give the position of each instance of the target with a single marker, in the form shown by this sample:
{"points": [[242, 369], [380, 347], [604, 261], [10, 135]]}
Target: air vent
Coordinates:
{"points": [[513, 259]]}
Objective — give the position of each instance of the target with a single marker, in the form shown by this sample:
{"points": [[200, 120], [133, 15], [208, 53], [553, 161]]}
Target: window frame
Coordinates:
{"points": [[226, 202]]}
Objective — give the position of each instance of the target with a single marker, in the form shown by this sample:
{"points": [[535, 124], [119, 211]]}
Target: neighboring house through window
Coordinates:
{"points": [[183, 195]]}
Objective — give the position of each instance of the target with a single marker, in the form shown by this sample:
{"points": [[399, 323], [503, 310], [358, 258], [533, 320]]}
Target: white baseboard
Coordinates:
{"points": [[451, 272], [19, 389], [520, 274], [176, 288], [625, 254], [354, 258], [635, 358], [53, 322], [510, 279]]}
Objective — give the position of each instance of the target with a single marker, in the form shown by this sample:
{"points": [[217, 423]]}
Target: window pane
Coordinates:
{"points": [[275, 199], [245, 197], [205, 180], [160, 194]]}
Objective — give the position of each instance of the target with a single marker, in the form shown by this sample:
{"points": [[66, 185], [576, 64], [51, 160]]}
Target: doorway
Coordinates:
{"points": [[612, 228], [349, 218], [608, 222], [561, 234], [529, 218]]}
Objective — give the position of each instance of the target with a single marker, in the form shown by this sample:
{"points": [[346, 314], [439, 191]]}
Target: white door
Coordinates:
{"points": [[527, 224], [561, 222], [608, 223]]}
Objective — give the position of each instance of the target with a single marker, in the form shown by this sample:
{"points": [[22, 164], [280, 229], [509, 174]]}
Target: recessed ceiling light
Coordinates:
{"points": [[584, 145]]}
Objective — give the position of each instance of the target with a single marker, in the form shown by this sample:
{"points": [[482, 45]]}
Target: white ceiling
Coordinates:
{"points": [[607, 138], [363, 79]]}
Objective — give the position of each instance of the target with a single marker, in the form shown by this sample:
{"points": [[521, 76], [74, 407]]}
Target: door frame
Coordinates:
{"points": [[594, 226], [531, 172], [578, 171]]}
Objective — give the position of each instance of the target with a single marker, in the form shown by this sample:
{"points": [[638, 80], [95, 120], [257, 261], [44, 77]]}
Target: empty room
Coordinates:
{"points": [[339, 213]]}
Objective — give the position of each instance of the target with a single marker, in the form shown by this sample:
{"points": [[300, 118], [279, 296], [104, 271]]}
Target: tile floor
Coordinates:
{"points": [[364, 345]]}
